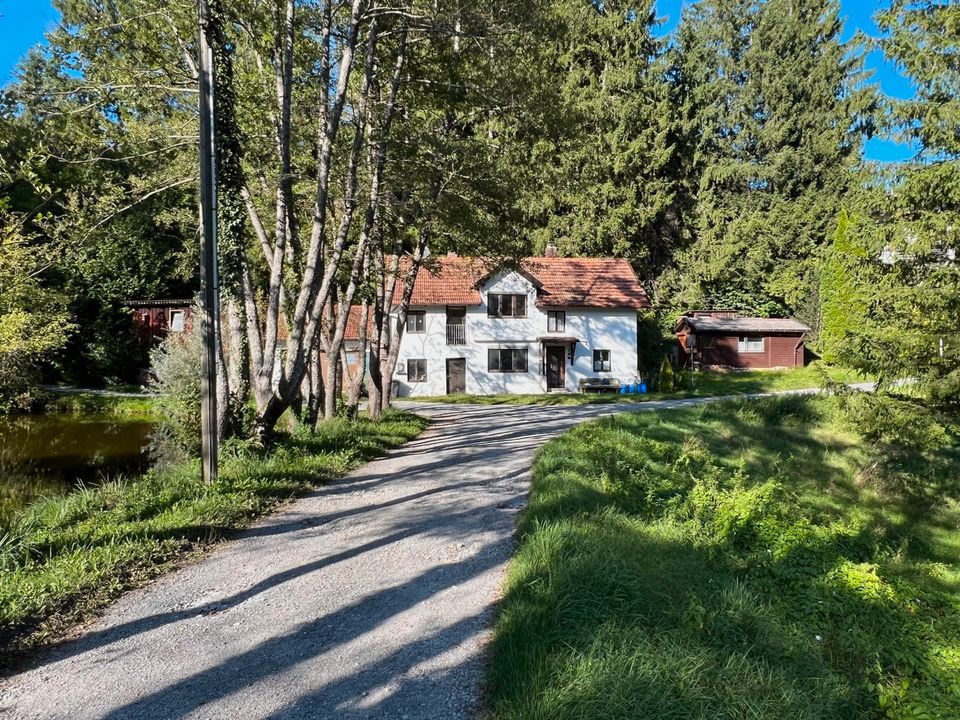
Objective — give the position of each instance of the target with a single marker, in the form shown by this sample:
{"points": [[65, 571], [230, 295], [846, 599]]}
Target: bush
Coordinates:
{"points": [[895, 424], [666, 380], [19, 380], [176, 379]]}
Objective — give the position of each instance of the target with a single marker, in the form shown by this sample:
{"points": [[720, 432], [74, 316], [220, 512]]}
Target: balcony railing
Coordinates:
{"points": [[456, 334]]}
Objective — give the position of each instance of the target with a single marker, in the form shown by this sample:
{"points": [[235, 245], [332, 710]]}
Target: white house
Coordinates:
{"points": [[543, 324]]}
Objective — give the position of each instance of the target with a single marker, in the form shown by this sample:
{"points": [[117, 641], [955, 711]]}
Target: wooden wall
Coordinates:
{"points": [[780, 350]]}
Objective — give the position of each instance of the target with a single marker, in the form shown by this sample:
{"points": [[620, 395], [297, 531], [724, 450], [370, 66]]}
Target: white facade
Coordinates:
{"points": [[613, 330]]}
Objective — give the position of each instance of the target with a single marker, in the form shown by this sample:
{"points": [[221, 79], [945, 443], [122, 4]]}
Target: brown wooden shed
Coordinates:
{"points": [[726, 340], [155, 319]]}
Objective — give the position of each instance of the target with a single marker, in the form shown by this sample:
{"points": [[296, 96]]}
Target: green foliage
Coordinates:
{"points": [[666, 380], [653, 339], [33, 318], [66, 557], [734, 560], [896, 423], [176, 367], [604, 144], [773, 113], [838, 313]]}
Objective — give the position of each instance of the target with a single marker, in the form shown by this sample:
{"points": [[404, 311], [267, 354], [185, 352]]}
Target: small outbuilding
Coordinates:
{"points": [[155, 319], [712, 339]]}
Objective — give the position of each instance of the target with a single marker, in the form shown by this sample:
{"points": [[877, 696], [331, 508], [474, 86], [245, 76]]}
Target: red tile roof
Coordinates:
{"points": [[566, 282], [587, 282], [448, 281]]}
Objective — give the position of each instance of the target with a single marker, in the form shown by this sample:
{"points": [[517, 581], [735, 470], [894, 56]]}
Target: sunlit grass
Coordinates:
{"points": [[698, 384], [736, 560], [65, 556]]}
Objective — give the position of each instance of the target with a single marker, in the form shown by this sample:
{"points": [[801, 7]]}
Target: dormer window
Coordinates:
{"points": [[510, 306]]}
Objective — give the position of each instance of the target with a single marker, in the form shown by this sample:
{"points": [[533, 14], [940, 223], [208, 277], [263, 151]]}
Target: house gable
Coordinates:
{"points": [[507, 281]]}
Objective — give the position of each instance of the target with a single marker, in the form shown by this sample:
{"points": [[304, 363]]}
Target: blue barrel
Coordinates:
{"points": [[643, 388], [633, 388], [624, 389]]}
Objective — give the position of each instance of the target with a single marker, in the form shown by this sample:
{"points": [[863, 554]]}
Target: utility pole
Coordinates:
{"points": [[209, 290]]}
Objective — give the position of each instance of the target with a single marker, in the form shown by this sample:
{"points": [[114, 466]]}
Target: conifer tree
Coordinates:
{"points": [[911, 328], [604, 148], [774, 117]]}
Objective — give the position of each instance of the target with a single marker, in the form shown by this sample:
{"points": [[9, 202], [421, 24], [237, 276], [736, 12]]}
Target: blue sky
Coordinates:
{"points": [[23, 22]]}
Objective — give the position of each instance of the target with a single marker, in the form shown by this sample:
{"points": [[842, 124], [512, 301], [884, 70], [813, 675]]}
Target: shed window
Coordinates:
{"points": [[416, 370], [601, 361], [750, 345], [507, 360], [416, 321], [556, 320], [176, 320], [506, 305]]}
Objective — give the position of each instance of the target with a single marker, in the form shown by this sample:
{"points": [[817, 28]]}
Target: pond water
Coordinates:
{"points": [[43, 455]]}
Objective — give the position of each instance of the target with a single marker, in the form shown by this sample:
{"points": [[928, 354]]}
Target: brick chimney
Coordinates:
{"points": [[550, 251]]}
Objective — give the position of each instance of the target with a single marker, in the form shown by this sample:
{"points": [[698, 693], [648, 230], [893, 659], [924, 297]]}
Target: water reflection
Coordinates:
{"points": [[53, 454]]}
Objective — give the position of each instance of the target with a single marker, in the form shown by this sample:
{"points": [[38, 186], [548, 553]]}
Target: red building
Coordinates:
{"points": [[155, 319], [715, 339]]}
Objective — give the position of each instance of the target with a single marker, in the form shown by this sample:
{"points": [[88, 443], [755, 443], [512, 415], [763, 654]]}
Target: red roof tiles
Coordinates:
{"points": [[566, 282]]}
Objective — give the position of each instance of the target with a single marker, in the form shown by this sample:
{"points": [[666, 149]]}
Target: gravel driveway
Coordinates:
{"points": [[369, 598]]}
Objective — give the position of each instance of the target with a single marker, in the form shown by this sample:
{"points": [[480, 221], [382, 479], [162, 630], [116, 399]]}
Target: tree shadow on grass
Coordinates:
{"points": [[612, 610]]}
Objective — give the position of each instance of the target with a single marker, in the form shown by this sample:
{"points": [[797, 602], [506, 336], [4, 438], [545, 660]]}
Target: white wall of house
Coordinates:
{"points": [[596, 329]]}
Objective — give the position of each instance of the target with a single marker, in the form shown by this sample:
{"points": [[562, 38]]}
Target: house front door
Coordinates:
{"points": [[456, 375], [556, 368]]}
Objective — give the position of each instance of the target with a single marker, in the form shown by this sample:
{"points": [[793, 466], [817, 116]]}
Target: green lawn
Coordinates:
{"points": [[66, 556], [739, 560], [704, 384]]}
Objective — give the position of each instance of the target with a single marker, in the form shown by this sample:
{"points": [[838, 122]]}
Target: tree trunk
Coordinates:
{"points": [[388, 360], [239, 365]]}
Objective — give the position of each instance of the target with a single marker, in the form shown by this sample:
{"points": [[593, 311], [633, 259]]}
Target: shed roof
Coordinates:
{"points": [[742, 324]]}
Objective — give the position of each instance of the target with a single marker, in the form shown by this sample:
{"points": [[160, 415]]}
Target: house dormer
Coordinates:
{"points": [[508, 292]]}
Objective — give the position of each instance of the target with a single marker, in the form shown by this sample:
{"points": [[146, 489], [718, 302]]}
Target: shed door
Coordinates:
{"points": [[456, 375]]}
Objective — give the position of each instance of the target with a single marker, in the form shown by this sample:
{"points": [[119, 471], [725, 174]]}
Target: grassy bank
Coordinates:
{"points": [[93, 403], [66, 556], [737, 560], [700, 384]]}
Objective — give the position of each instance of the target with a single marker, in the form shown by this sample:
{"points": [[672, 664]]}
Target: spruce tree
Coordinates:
{"points": [[911, 328], [603, 151], [774, 116]]}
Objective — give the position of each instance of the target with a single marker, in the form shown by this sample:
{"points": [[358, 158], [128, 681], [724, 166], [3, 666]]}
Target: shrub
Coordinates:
{"points": [[176, 379], [897, 424], [666, 380]]}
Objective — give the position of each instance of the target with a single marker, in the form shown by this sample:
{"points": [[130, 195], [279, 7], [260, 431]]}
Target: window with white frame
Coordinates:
{"points": [[416, 321], [601, 361], [417, 370], [177, 320], [750, 344], [556, 320], [499, 305], [507, 360]]}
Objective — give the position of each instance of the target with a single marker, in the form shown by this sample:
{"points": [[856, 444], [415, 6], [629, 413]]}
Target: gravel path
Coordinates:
{"points": [[369, 598]]}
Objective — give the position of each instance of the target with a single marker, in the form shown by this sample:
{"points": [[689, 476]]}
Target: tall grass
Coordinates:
{"points": [[66, 556], [738, 560]]}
